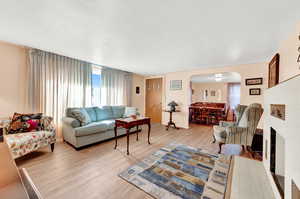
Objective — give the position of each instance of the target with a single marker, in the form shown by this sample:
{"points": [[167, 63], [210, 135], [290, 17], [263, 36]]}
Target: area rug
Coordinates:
{"points": [[179, 171]]}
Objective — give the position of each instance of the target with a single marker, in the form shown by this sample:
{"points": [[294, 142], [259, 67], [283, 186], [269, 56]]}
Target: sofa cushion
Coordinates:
{"points": [[81, 115], [118, 111], [92, 113], [129, 111], [95, 127], [103, 113]]}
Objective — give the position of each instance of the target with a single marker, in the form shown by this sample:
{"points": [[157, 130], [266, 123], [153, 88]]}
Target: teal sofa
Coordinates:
{"points": [[85, 126]]}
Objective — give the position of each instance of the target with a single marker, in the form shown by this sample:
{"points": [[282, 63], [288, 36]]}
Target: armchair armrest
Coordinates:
{"points": [[232, 130], [71, 122], [236, 135], [226, 124], [47, 123]]}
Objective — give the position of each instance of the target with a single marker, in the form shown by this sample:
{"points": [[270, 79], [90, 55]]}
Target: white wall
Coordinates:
{"points": [[288, 52], [284, 93], [220, 88]]}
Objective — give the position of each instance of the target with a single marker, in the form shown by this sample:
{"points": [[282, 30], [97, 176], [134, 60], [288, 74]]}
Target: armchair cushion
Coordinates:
{"points": [[23, 143], [25, 123], [220, 133]]}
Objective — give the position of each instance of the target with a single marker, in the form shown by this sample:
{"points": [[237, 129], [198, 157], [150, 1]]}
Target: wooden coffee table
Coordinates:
{"points": [[129, 123]]}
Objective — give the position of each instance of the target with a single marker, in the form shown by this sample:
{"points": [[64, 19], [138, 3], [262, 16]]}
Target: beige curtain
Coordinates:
{"points": [[56, 82], [115, 87]]}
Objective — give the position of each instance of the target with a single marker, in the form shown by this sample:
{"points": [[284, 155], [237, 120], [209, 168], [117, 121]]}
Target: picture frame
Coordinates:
{"points": [[278, 110], [137, 90], [213, 93], [274, 71], [254, 91], [254, 81], [176, 85]]}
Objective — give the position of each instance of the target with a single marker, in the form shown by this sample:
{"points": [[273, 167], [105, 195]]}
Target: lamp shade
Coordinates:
{"points": [[172, 103]]}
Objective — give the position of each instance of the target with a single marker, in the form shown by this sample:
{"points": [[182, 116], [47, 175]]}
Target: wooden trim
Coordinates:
{"points": [[276, 59], [229, 180], [31, 189], [284, 81]]}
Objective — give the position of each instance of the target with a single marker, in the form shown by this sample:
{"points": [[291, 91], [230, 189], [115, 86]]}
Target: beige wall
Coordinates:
{"points": [[221, 90], [183, 96], [12, 80], [288, 52], [138, 100]]}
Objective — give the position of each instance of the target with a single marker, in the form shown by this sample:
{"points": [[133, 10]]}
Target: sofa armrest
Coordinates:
{"points": [[71, 122]]}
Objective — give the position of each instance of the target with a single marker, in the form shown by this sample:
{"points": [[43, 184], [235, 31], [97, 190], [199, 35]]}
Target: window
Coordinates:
{"points": [[234, 90], [96, 86]]}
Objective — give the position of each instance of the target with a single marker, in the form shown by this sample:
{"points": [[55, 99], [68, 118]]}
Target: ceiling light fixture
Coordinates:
{"points": [[218, 79], [218, 75]]}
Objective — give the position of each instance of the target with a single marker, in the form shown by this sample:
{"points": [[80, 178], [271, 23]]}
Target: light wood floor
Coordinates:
{"points": [[93, 171]]}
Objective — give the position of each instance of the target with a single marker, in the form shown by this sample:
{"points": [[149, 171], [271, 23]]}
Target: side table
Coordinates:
{"points": [[171, 123], [129, 123]]}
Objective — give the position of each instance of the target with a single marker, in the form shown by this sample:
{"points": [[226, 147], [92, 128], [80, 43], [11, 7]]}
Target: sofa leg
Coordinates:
{"points": [[52, 147], [220, 147]]}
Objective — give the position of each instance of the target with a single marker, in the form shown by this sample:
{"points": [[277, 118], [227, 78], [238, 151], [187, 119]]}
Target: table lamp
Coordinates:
{"points": [[173, 105]]}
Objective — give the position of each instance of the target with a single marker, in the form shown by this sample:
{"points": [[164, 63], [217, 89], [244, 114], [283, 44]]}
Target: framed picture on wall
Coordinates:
{"points": [[254, 81], [254, 91], [137, 90], [213, 93], [176, 85], [274, 71]]}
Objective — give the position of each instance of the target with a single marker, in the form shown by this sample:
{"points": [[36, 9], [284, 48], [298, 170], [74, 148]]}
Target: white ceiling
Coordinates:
{"points": [[223, 77], [152, 36]]}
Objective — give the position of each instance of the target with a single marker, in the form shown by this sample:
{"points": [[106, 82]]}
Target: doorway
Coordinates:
{"points": [[154, 99], [214, 97]]}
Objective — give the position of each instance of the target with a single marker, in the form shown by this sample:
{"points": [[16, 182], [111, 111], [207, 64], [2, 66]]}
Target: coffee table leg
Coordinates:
{"points": [[127, 133], [116, 138], [149, 129], [137, 133]]}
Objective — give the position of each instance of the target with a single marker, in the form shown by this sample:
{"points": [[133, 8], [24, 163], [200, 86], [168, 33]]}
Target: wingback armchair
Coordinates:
{"points": [[242, 131]]}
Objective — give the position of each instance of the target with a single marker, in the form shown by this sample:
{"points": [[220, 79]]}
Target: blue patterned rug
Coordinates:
{"points": [[180, 171]]}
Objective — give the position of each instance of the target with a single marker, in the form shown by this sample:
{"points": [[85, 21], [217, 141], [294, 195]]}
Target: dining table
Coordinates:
{"points": [[206, 114]]}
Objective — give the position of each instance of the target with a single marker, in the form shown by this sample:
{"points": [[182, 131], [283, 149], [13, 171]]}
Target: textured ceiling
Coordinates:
{"points": [[218, 77], [152, 36]]}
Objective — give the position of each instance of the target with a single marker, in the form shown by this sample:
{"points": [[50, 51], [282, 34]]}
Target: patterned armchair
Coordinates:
{"points": [[242, 131], [21, 144]]}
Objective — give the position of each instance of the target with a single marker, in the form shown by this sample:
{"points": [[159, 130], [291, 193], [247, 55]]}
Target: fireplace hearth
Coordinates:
{"points": [[279, 179]]}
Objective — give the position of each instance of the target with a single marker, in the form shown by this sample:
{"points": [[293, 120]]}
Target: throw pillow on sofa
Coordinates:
{"points": [[82, 116]]}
